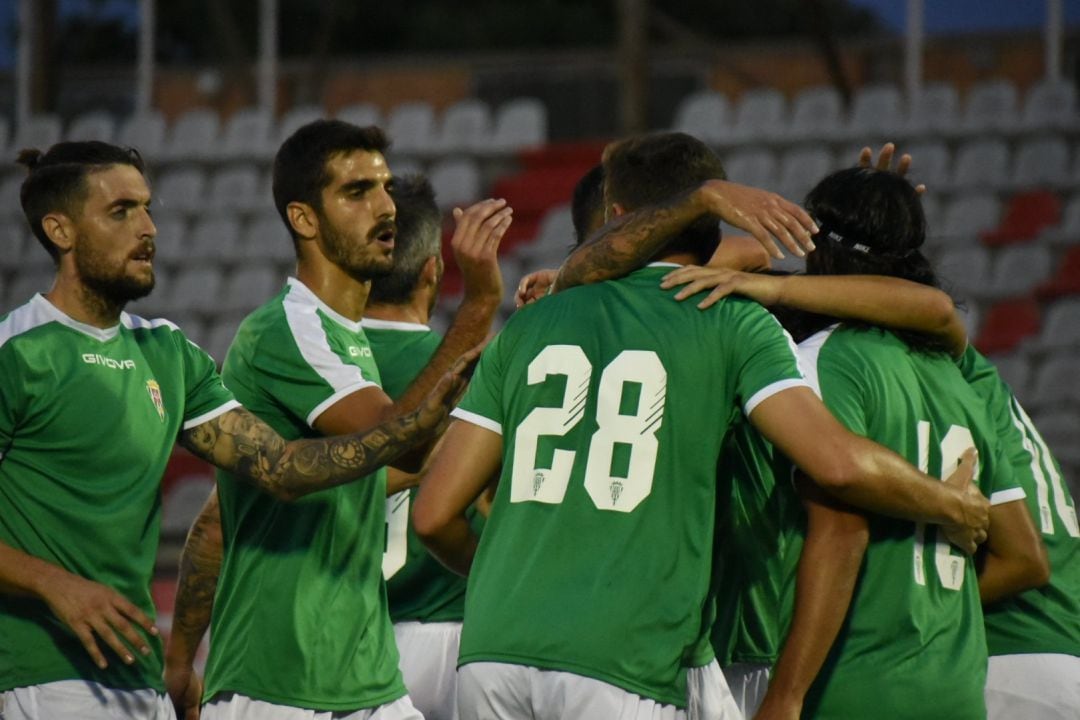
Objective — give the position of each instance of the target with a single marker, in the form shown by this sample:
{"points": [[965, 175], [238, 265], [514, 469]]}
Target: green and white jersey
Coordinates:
{"points": [[1046, 619], [417, 585], [300, 616], [88, 418], [613, 402], [753, 535], [913, 640]]}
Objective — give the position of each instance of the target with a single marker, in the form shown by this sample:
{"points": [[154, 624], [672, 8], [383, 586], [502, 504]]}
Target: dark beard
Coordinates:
{"points": [[338, 252], [113, 287]]}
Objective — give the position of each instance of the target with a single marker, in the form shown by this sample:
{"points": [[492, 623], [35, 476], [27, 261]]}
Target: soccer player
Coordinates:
{"points": [[92, 400], [608, 442], [312, 571], [426, 601]]}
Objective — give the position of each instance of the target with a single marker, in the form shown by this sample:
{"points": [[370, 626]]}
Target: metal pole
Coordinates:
{"points": [[144, 75], [913, 48], [633, 64], [1054, 29], [267, 81], [23, 61]]}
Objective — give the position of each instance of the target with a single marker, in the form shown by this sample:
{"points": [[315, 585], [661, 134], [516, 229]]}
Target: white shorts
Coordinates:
{"points": [[83, 700], [429, 654], [748, 683], [502, 691], [1044, 686], [708, 696], [231, 706]]}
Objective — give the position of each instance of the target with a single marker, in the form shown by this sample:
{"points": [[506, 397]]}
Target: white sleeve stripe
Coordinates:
{"points": [[208, 416], [471, 417], [310, 339], [1005, 496], [330, 401], [769, 390]]}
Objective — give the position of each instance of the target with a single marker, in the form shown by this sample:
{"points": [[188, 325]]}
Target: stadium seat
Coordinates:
{"points": [[1068, 232], [145, 133], [249, 287], [966, 270], [1062, 327], [1054, 384], [5, 134], [705, 115], [933, 110], [531, 193], [27, 282], [266, 237], [1015, 370], [1060, 429], [1066, 280], [219, 337], [1026, 215], [15, 240], [554, 237], [296, 118], [38, 131], [214, 240], [247, 134], [761, 115], [877, 111], [181, 189], [237, 187], [182, 504], [981, 164], [990, 106], [752, 167], [1041, 162], [1018, 269], [362, 114], [934, 212], [95, 125], [967, 216], [930, 164], [1050, 105], [801, 168], [172, 243], [464, 126], [10, 205], [520, 124], [456, 182], [195, 289], [816, 114], [411, 127], [1007, 324], [193, 136]]}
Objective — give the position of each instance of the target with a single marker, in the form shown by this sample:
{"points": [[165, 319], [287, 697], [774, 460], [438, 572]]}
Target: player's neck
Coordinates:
{"points": [[409, 312], [344, 294], [79, 302]]}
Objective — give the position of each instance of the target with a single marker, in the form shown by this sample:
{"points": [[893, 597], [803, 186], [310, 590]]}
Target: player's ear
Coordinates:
{"points": [[616, 210], [431, 271], [60, 231], [303, 219]]}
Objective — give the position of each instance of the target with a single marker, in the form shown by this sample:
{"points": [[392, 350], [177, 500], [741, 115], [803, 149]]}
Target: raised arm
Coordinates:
{"points": [[628, 241]]}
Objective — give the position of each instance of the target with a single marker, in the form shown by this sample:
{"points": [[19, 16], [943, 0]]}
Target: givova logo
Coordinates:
{"points": [[95, 359], [359, 352]]}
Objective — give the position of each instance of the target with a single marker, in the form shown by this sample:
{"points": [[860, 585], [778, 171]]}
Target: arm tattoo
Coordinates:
{"points": [[627, 243], [243, 444], [200, 565]]}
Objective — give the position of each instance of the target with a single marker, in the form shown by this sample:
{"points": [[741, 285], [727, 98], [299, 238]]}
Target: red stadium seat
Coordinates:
{"points": [[1007, 324], [1066, 281], [1027, 215]]}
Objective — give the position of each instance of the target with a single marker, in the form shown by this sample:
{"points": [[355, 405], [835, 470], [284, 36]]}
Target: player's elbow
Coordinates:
{"points": [[427, 519], [838, 474], [1038, 568]]}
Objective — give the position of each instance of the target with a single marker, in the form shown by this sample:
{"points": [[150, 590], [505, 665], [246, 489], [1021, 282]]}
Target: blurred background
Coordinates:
{"points": [[517, 99]]}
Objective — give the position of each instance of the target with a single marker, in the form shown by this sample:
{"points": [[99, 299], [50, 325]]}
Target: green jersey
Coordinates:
{"points": [[1046, 619], [613, 403], [753, 536], [300, 615], [913, 638], [417, 585], [88, 418]]}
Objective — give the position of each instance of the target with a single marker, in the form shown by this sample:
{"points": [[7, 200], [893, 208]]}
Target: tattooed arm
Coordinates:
{"points": [[200, 565], [628, 241]]}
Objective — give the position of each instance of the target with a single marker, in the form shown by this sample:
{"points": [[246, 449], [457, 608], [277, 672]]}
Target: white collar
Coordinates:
{"points": [[378, 324], [304, 294], [42, 304]]}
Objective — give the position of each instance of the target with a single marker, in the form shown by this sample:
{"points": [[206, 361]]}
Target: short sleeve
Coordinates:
{"points": [[205, 396], [10, 398], [482, 402], [764, 355], [837, 382]]}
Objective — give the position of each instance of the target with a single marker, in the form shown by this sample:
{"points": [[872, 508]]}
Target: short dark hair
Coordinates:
{"points": [[588, 202], [871, 223], [419, 236], [300, 164], [651, 169], [56, 179]]}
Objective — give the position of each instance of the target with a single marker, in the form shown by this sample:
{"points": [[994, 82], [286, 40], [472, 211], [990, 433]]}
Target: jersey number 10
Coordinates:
{"points": [[950, 567], [635, 431]]}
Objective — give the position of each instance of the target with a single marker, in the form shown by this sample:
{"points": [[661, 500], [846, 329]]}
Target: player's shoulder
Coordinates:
{"points": [[22, 320]]}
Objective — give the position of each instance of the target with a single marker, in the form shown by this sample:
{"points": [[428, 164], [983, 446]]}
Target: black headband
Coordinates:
{"points": [[848, 240]]}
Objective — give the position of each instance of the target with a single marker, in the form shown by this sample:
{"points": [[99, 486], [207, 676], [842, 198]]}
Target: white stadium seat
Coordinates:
{"points": [[705, 115], [520, 123], [95, 125], [464, 126], [760, 115]]}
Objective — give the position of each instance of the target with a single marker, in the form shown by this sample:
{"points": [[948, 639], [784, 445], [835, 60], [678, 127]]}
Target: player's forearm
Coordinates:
{"points": [[626, 243], [885, 301], [453, 543], [200, 566], [22, 574], [1003, 577]]}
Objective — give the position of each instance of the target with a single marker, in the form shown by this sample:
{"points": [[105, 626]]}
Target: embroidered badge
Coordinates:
{"points": [[155, 395]]}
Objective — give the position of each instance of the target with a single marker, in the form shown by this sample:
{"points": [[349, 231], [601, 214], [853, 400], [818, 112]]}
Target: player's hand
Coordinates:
{"points": [[765, 215], [185, 689], [885, 160], [976, 507], [480, 229], [534, 286], [722, 282], [445, 394], [94, 611]]}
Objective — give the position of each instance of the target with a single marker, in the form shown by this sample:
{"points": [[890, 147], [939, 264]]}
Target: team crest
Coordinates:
{"points": [[155, 395]]}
